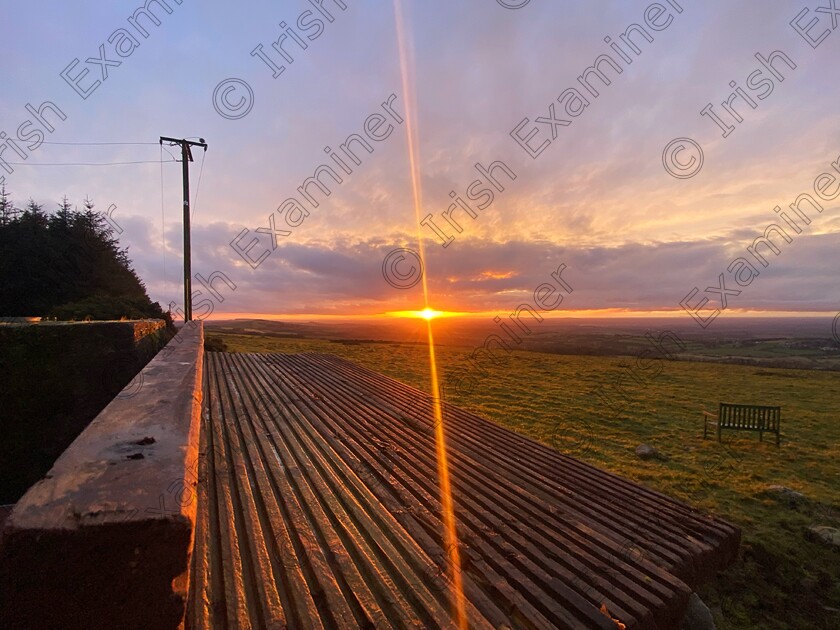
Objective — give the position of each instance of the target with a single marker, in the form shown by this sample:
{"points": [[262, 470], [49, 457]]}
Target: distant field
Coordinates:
{"points": [[782, 580]]}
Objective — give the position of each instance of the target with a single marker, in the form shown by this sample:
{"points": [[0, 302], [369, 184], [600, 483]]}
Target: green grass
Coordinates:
{"points": [[781, 579]]}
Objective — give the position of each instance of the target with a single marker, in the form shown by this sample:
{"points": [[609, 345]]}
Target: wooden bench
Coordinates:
{"points": [[744, 418]]}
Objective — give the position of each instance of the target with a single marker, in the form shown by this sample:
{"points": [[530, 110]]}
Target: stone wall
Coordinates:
{"points": [[104, 540], [56, 376]]}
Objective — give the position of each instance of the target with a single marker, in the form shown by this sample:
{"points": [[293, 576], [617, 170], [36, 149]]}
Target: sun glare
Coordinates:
{"points": [[427, 313], [450, 527]]}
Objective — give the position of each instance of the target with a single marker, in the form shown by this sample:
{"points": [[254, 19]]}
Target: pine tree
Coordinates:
{"points": [[63, 217], [34, 214], [8, 212], [67, 265]]}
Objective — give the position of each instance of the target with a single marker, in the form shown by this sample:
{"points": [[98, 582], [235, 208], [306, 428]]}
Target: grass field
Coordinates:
{"points": [[781, 579]]}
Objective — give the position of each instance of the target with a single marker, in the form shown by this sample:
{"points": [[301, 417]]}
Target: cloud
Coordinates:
{"points": [[344, 276], [598, 199]]}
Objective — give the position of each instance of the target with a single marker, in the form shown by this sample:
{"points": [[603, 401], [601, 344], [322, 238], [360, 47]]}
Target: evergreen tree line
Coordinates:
{"points": [[66, 265]]}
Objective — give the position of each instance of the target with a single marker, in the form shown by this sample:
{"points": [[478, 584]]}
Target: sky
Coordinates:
{"points": [[600, 200]]}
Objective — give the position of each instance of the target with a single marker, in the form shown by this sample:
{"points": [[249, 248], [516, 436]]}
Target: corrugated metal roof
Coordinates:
{"points": [[319, 507]]}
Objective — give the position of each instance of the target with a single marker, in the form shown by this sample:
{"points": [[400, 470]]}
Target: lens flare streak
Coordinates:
{"points": [[450, 533]]}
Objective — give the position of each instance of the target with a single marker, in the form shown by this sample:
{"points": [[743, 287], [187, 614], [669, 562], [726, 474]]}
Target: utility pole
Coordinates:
{"points": [[186, 158]]}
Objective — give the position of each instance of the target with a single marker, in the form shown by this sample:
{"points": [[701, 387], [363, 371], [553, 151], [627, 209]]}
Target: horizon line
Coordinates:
{"points": [[568, 314]]}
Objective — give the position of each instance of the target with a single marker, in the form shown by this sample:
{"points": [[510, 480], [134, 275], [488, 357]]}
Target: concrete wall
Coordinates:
{"points": [[104, 540], [56, 376]]}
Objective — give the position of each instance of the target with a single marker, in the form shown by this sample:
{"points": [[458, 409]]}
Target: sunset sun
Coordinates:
{"points": [[427, 313]]}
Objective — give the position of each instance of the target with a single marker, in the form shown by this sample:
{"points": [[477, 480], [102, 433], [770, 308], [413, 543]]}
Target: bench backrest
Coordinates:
{"points": [[750, 417]]}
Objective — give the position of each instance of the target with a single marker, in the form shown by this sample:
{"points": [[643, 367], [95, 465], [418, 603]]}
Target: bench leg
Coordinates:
{"points": [[761, 436]]}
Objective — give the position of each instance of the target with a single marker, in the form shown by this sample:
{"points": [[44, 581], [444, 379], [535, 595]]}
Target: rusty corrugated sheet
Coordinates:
{"points": [[319, 507]]}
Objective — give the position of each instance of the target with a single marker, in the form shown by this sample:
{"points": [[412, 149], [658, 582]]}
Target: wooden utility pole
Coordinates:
{"points": [[186, 158]]}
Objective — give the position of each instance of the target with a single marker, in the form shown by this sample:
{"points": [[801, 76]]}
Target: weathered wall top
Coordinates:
{"points": [[104, 535], [141, 327], [57, 377]]}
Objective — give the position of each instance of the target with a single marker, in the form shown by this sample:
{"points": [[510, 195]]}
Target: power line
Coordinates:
{"points": [[169, 153], [198, 185], [96, 144], [84, 163]]}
